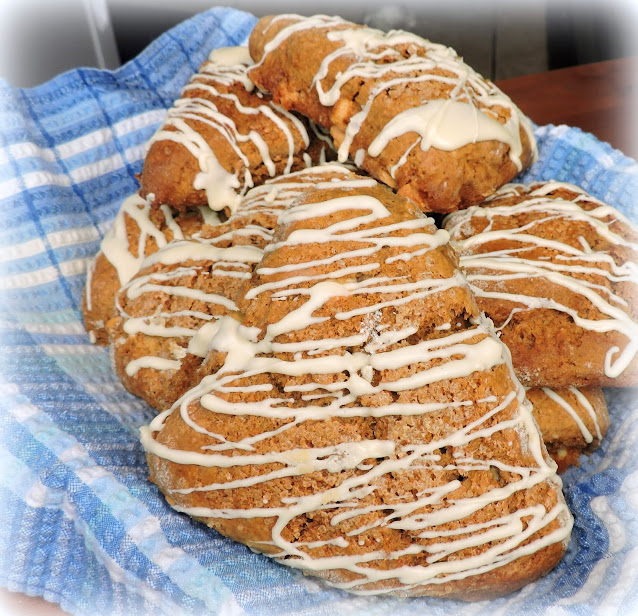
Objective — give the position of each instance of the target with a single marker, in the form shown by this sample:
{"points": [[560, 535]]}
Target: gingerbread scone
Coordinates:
{"points": [[223, 137], [557, 272], [364, 424], [167, 312], [408, 111], [138, 231], [256, 217], [572, 421]]}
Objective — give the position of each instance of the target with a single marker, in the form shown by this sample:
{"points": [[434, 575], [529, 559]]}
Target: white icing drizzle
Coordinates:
{"points": [[151, 361], [151, 228], [445, 125], [255, 353], [88, 293], [468, 114], [571, 267], [584, 404], [189, 250], [224, 188], [115, 245], [235, 260]]}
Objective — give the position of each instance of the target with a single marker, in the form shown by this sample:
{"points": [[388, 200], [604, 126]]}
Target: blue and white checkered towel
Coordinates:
{"points": [[80, 524]]}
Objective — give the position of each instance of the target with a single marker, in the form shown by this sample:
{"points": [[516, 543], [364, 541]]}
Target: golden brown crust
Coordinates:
{"points": [[104, 280], [160, 311], [163, 315], [572, 421], [437, 179], [552, 267], [225, 495], [98, 299], [287, 74], [236, 128]]}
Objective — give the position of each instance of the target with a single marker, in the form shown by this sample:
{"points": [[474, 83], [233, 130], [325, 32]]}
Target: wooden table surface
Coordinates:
{"points": [[601, 98]]}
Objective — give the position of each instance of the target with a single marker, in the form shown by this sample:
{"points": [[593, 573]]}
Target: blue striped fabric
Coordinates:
{"points": [[80, 524]]}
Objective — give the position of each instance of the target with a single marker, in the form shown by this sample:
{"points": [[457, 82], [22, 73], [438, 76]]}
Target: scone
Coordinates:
{"points": [[256, 216], [409, 112], [362, 423], [572, 421], [222, 137], [557, 272], [137, 231], [168, 311]]}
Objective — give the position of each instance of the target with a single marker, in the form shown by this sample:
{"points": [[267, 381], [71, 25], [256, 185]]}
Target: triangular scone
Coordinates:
{"points": [[222, 137], [365, 425], [167, 311], [557, 272], [572, 421], [138, 230], [408, 111], [165, 314]]}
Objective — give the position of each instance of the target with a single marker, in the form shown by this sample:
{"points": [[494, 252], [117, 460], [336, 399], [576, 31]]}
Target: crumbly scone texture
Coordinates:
{"points": [[363, 424], [437, 179], [222, 137], [555, 270], [130, 238], [572, 421], [161, 312]]}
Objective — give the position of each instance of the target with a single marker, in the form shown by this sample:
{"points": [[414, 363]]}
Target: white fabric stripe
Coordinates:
{"points": [[78, 175], [29, 279], [99, 167], [45, 275], [74, 267], [591, 584], [71, 349], [86, 474], [71, 237], [509, 607], [85, 143], [9, 188], [123, 410], [16, 151], [135, 153], [79, 462], [22, 251], [36, 179], [104, 388], [23, 412], [40, 496], [618, 453], [144, 529], [104, 135], [55, 329], [122, 576], [56, 239], [629, 489], [613, 524], [130, 125], [615, 596]]}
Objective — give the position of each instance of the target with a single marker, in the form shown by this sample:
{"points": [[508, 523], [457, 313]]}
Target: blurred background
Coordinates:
{"points": [[499, 38]]}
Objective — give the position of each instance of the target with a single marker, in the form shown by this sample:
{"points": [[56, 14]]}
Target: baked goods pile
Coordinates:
{"points": [[330, 390]]}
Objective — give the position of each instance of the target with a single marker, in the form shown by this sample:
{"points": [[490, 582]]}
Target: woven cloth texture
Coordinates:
{"points": [[79, 523]]}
